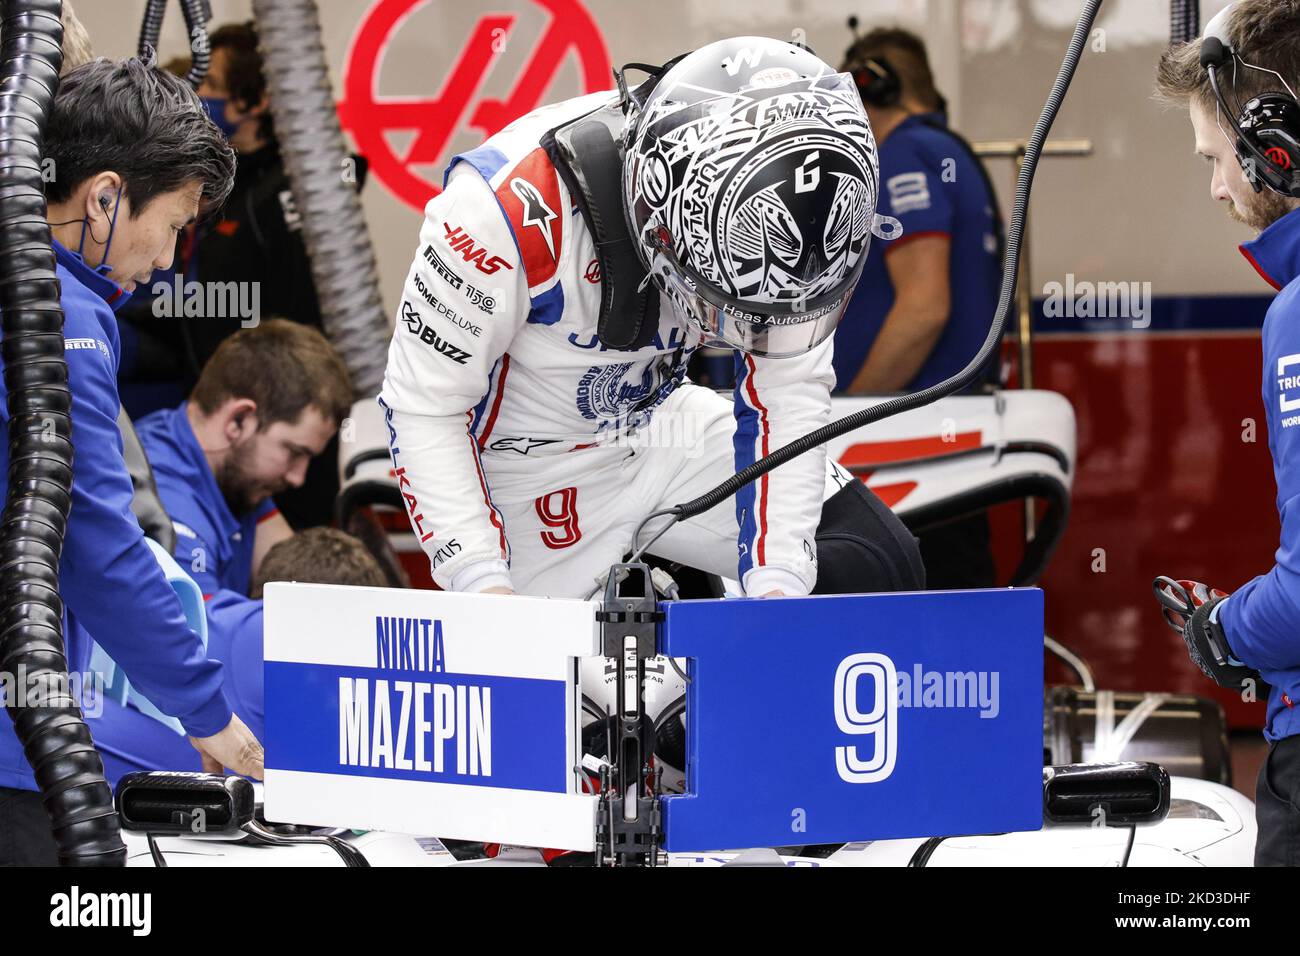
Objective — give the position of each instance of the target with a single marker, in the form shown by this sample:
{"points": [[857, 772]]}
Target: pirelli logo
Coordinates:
{"points": [[442, 268], [89, 345]]}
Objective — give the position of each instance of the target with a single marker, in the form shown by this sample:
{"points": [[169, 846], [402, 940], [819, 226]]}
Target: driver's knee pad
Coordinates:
{"points": [[863, 547]]}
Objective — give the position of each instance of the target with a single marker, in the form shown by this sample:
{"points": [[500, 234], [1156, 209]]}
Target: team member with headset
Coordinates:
{"points": [[137, 160], [922, 308], [901, 331], [1239, 84]]}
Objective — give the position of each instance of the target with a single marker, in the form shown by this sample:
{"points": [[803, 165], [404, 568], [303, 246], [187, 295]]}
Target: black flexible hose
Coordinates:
{"points": [[1184, 21], [69, 772], [197, 16], [311, 142], [150, 28], [971, 372]]}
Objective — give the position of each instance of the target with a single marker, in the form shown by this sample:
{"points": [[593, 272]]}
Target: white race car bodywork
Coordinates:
{"points": [[960, 450], [1208, 825]]}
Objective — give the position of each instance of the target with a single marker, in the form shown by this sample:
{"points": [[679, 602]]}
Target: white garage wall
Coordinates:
{"points": [[1138, 210]]}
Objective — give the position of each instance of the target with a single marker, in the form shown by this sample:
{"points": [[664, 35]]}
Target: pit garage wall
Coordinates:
{"points": [[1166, 483]]}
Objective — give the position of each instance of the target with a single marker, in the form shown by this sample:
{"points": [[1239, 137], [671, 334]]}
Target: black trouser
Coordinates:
{"points": [[25, 835], [959, 554], [1277, 805]]}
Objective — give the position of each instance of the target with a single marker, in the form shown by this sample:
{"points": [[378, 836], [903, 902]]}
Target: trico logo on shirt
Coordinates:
{"points": [[428, 336], [908, 192], [1288, 384], [521, 446], [463, 243]]}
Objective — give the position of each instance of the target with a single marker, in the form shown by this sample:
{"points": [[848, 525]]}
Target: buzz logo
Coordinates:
{"points": [[429, 337], [879, 723]]}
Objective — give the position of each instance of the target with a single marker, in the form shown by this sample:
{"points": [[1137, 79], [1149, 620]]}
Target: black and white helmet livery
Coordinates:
{"points": [[750, 181]]}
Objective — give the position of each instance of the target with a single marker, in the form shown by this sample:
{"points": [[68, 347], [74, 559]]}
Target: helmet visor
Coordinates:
{"points": [[781, 335]]}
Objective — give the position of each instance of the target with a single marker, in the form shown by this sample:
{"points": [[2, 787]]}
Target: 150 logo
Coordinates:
{"points": [[879, 723]]}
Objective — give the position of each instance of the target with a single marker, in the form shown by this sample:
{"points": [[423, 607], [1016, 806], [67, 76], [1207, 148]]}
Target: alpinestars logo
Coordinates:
{"points": [[429, 337], [536, 212], [521, 446]]}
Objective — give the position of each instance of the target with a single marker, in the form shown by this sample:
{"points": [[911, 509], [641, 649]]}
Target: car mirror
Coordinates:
{"points": [[1107, 794], [162, 802]]}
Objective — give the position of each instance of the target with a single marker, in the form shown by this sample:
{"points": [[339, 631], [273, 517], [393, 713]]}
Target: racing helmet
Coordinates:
{"points": [[750, 180]]}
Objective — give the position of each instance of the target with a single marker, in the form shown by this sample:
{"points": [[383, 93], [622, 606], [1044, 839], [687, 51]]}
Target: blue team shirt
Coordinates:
{"points": [[933, 186], [130, 741], [1262, 618], [216, 547], [212, 544], [111, 585]]}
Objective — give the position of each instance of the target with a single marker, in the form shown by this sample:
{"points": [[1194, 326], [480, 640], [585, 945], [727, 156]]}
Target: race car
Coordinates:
{"points": [[471, 728], [1207, 825]]}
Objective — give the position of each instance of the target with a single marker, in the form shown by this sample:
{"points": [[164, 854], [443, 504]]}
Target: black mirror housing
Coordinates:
{"points": [[1116, 794], [164, 802]]}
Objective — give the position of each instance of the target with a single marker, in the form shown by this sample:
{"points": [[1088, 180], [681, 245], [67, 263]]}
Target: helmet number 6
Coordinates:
{"points": [[808, 175]]}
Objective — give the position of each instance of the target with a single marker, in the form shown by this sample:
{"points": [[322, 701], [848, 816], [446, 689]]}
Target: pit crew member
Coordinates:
{"points": [[137, 159], [921, 311], [269, 400], [266, 404], [130, 740], [1257, 627]]}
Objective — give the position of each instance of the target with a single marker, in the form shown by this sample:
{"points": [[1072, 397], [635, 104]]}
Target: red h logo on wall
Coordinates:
{"points": [[435, 118]]}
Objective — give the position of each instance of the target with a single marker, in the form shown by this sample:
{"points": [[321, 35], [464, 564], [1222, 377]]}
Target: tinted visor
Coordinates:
{"points": [[777, 335]]}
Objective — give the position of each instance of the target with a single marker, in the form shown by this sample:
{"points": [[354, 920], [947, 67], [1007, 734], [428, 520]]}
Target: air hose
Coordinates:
{"points": [[197, 14], [1184, 21], [55, 740], [957, 382], [151, 27], [311, 142]]}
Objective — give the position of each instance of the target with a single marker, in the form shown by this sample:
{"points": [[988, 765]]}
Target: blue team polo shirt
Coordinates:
{"points": [[934, 187]]}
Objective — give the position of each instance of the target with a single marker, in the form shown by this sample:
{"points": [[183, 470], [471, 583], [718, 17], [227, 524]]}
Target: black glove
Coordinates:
{"points": [[1187, 607]]}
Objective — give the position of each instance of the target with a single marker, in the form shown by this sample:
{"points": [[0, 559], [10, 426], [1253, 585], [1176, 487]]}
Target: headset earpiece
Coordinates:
{"points": [[878, 82], [1271, 123], [1266, 131], [104, 202]]}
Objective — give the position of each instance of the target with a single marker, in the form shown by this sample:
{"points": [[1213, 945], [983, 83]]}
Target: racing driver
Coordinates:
{"points": [[536, 397]]}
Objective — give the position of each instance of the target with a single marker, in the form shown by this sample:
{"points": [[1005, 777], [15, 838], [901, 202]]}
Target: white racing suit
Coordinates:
{"points": [[527, 453]]}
